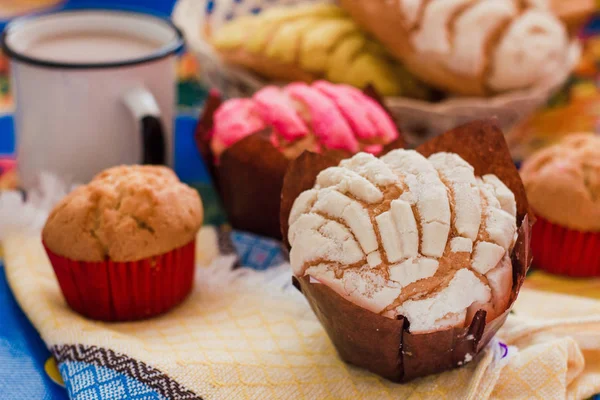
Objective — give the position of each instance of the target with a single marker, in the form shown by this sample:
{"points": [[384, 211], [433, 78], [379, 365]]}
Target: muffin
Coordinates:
{"points": [[123, 246], [563, 186], [248, 143], [311, 41], [417, 246], [470, 47]]}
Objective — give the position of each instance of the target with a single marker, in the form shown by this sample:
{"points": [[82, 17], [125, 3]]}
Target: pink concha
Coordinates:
{"points": [[276, 109], [327, 122], [355, 113], [338, 116], [234, 120], [384, 126]]}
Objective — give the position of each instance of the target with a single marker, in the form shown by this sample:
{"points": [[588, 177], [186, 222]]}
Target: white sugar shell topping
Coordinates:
{"points": [[410, 11], [320, 239], [372, 227], [413, 270], [427, 192], [356, 217], [472, 31], [504, 44], [534, 46], [370, 167], [505, 197], [362, 286], [461, 245], [460, 180], [432, 35], [462, 291], [347, 181], [487, 256], [398, 231]]}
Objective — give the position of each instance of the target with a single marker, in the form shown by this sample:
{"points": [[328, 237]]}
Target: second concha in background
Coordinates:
{"points": [[470, 47]]}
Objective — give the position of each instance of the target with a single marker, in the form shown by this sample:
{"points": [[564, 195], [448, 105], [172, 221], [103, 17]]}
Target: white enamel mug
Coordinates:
{"points": [[94, 89]]}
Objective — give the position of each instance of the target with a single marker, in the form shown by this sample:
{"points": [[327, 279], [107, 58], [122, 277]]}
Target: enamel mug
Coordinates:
{"points": [[93, 89]]}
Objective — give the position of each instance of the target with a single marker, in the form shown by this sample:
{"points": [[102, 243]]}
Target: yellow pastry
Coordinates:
{"points": [[310, 42]]}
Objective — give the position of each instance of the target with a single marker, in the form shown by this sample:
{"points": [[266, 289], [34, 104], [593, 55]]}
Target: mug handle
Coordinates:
{"points": [[142, 104]]}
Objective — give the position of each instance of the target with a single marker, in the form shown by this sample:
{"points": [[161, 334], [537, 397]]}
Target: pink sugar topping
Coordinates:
{"points": [[277, 110], [339, 116], [326, 120], [233, 121]]}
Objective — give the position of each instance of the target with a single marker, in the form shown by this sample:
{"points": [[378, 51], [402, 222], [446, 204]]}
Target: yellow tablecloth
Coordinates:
{"points": [[241, 336]]}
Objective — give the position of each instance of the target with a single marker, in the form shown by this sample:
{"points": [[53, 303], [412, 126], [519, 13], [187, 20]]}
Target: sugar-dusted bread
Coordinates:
{"points": [[408, 235], [125, 213], [309, 42], [469, 47], [563, 182]]}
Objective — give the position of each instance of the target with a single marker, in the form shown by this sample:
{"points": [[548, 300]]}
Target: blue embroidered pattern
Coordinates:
{"points": [[90, 382], [257, 252]]}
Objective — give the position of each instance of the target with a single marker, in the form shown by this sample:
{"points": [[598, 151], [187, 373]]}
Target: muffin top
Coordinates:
{"points": [[408, 235], [125, 213], [317, 117], [563, 182]]}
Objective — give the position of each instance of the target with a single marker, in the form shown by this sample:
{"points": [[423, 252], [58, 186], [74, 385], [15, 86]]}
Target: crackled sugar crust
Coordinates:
{"points": [[125, 213], [473, 47], [563, 182], [512, 42], [408, 235], [317, 117]]}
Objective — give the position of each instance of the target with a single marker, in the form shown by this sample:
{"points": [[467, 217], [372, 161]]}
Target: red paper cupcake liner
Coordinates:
{"points": [[126, 291], [565, 251]]}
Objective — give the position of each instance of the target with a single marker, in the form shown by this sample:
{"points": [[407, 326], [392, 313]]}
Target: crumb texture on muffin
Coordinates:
{"points": [[408, 235], [563, 182], [125, 213]]}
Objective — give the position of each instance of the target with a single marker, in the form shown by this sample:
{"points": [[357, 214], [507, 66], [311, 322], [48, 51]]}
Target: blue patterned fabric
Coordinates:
{"points": [[257, 252], [22, 354], [90, 382], [92, 372]]}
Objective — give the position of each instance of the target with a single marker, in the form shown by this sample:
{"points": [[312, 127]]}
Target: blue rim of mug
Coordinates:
{"points": [[167, 50]]}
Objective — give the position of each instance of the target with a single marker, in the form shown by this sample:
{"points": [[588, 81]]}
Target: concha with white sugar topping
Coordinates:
{"points": [[471, 47], [406, 235]]}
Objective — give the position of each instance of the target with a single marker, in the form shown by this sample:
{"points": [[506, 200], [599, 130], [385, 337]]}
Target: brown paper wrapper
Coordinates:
{"points": [[249, 175], [385, 346]]}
